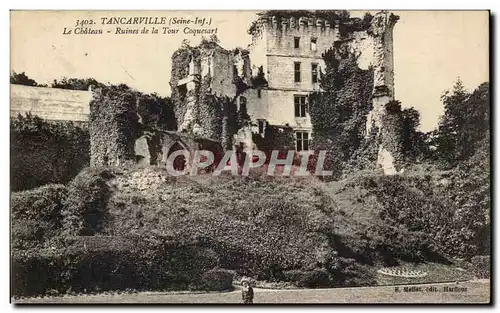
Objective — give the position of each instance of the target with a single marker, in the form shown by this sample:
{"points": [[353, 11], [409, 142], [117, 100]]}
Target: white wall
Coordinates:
{"points": [[50, 103]]}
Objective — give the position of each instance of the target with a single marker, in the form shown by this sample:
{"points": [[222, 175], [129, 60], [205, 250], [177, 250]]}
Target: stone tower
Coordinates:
{"points": [[380, 122], [289, 52], [113, 126]]}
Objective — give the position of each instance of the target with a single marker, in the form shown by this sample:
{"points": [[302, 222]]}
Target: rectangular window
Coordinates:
{"points": [[262, 124], [313, 44], [302, 141], [297, 72], [296, 42], [182, 90], [314, 71], [301, 106], [259, 94]]}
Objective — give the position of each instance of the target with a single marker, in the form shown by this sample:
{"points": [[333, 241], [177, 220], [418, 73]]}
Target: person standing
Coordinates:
{"points": [[246, 292]]}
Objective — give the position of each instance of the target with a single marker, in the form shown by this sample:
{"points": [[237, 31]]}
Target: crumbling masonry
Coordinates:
{"points": [[230, 99]]}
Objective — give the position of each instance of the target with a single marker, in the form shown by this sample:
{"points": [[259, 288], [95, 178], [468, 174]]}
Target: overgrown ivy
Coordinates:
{"points": [[180, 70], [156, 112], [113, 125], [338, 114], [45, 152], [209, 112]]}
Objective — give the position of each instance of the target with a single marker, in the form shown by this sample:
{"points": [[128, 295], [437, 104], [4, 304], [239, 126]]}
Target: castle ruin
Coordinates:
{"points": [[286, 55], [243, 99]]}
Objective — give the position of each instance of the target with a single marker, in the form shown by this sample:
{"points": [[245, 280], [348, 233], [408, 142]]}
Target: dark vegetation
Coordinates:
{"points": [[44, 152], [23, 79], [195, 234]]}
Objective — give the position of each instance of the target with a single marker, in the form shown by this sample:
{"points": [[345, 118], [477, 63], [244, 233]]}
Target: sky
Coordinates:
{"points": [[431, 50]]}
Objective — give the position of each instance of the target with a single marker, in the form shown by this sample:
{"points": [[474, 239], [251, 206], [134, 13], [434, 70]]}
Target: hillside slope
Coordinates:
{"points": [[168, 233]]}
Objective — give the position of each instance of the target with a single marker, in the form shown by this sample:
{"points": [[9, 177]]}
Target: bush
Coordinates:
{"points": [[309, 279], [270, 229], [31, 233], [469, 197], [45, 152], [480, 266], [36, 215], [397, 217], [85, 207], [43, 203], [214, 280], [95, 264], [350, 273]]}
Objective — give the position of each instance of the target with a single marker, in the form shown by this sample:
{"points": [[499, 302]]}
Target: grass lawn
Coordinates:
{"points": [[470, 292]]}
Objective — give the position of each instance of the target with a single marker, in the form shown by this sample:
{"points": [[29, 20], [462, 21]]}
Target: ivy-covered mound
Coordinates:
{"points": [[113, 229]]}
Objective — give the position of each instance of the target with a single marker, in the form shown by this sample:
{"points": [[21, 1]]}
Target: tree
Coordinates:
{"points": [[413, 145], [156, 112], [23, 79], [465, 123], [46, 152], [476, 123], [447, 137], [76, 83]]}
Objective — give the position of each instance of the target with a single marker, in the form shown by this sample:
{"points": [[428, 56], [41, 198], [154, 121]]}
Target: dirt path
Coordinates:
{"points": [[466, 292]]}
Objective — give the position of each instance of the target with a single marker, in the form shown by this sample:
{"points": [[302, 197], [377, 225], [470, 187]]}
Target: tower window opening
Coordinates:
{"points": [[313, 44], [297, 72], [301, 106], [302, 141], [314, 72], [262, 125], [182, 90], [296, 42]]}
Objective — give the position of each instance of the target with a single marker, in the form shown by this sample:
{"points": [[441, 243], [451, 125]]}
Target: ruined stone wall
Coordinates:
{"points": [[273, 48], [214, 79], [184, 83], [217, 79], [257, 107], [382, 123], [390, 155], [222, 62], [113, 127], [258, 51], [362, 43]]}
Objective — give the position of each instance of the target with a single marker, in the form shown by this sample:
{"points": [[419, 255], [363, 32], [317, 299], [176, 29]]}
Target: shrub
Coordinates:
{"points": [[480, 266], [85, 207], [348, 272], [214, 280], [94, 264], [43, 203], [36, 215], [468, 195], [310, 279], [27, 234], [400, 217]]}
